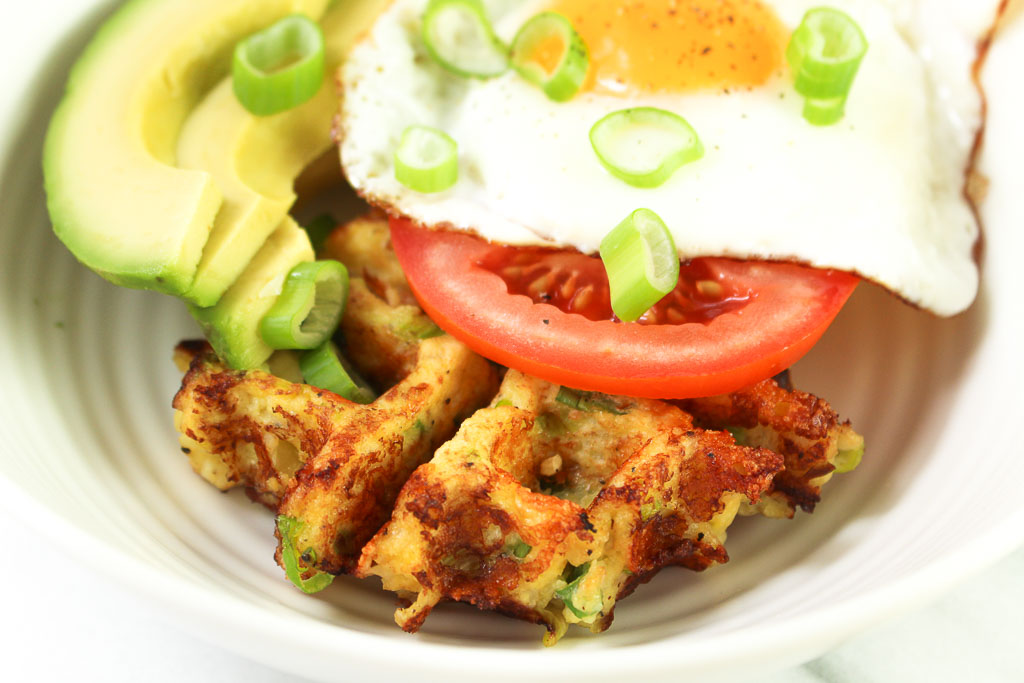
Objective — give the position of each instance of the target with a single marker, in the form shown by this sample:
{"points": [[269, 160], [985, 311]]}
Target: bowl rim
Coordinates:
{"points": [[240, 627], [246, 629]]}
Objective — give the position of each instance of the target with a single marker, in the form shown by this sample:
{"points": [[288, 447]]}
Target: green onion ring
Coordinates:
{"points": [[644, 146], [522, 549], [279, 67], [567, 593], [325, 368], [309, 308], [640, 258], [568, 73], [459, 37], [848, 460], [824, 54], [289, 528], [824, 112], [427, 160]]}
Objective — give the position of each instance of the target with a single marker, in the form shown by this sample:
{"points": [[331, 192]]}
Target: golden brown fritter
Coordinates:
{"points": [[333, 466], [345, 492], [364, 246], [248, 429], [550, 505], [803, 428], [382, 334]]}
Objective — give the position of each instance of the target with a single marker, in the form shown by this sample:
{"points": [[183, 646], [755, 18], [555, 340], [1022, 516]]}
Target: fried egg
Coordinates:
{"points": [[881, 193]]}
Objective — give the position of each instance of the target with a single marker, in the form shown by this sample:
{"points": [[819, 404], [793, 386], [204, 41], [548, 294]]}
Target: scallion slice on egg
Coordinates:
{"points": [[427, 160], [323, 367], [640, 258], [824, 112], [279, 67], [309, 308], [549, 53], [644, 146], [460, 38], [825, 53]]}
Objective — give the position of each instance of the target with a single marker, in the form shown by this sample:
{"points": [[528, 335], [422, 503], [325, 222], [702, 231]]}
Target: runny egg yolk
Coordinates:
{"points": [[650, 46]]}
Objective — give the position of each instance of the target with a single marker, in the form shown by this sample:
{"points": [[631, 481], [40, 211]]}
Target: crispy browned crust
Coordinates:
{"points": [[639, 486], [803, 428], [345, 492], [609, 487], [334, 466], [383, 337], [364, 246], [307, 453], [249, 429]]}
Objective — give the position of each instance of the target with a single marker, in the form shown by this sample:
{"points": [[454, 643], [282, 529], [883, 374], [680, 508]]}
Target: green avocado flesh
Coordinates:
{"points": [[116, 196], [232, 325], [254, 160], [157, 178]]}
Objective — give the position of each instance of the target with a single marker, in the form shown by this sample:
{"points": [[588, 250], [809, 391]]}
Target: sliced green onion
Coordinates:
{"points": [[325, 368], [825, 53], [847, 460], [645, 145], [824, 112], [427, 160], [640, 258], [460, 38], [549, 53], [568, 593], [421, 328], [569, 397], [739, 435], [279, 67], [309, 308], [851, 450], [319, 229], [289, 528], [587, 401], [649, 509], [522, 549]]}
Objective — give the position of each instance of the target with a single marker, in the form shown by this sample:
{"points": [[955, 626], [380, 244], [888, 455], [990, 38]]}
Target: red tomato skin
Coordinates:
{"points": [[792, 307]]}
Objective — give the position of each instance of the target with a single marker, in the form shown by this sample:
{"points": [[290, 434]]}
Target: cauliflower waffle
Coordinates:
{"points": [[333, 466], [800, 426], [548, 504]]}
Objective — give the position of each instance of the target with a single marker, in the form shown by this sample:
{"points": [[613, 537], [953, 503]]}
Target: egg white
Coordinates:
{"points": [[879, 194]]}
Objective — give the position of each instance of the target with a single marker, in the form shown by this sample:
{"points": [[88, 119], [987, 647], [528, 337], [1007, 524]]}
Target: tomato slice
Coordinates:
{"points": [[729, 324]]}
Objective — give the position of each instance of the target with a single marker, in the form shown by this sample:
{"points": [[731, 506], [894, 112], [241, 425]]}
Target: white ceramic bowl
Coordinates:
{"points": [[89, 456]]}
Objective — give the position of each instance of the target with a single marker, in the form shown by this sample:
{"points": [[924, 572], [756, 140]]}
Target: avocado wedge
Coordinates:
{"points": [[114, 193], [232, 326], [254, 160]]}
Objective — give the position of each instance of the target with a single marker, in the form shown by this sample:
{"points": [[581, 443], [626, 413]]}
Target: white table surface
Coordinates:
{"points": [[64, 622]]}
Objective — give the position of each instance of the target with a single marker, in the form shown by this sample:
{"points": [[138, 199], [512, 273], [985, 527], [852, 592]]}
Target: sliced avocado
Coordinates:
{"points": [[233, 325], [254, 160], [253, 168], [114, 196]]}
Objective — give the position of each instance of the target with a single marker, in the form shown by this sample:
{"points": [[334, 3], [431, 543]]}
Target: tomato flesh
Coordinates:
{"points": [[576, 283], [728, 325]]}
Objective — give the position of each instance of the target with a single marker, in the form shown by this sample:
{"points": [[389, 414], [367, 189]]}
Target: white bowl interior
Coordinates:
{"points": [[88, 446]]}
